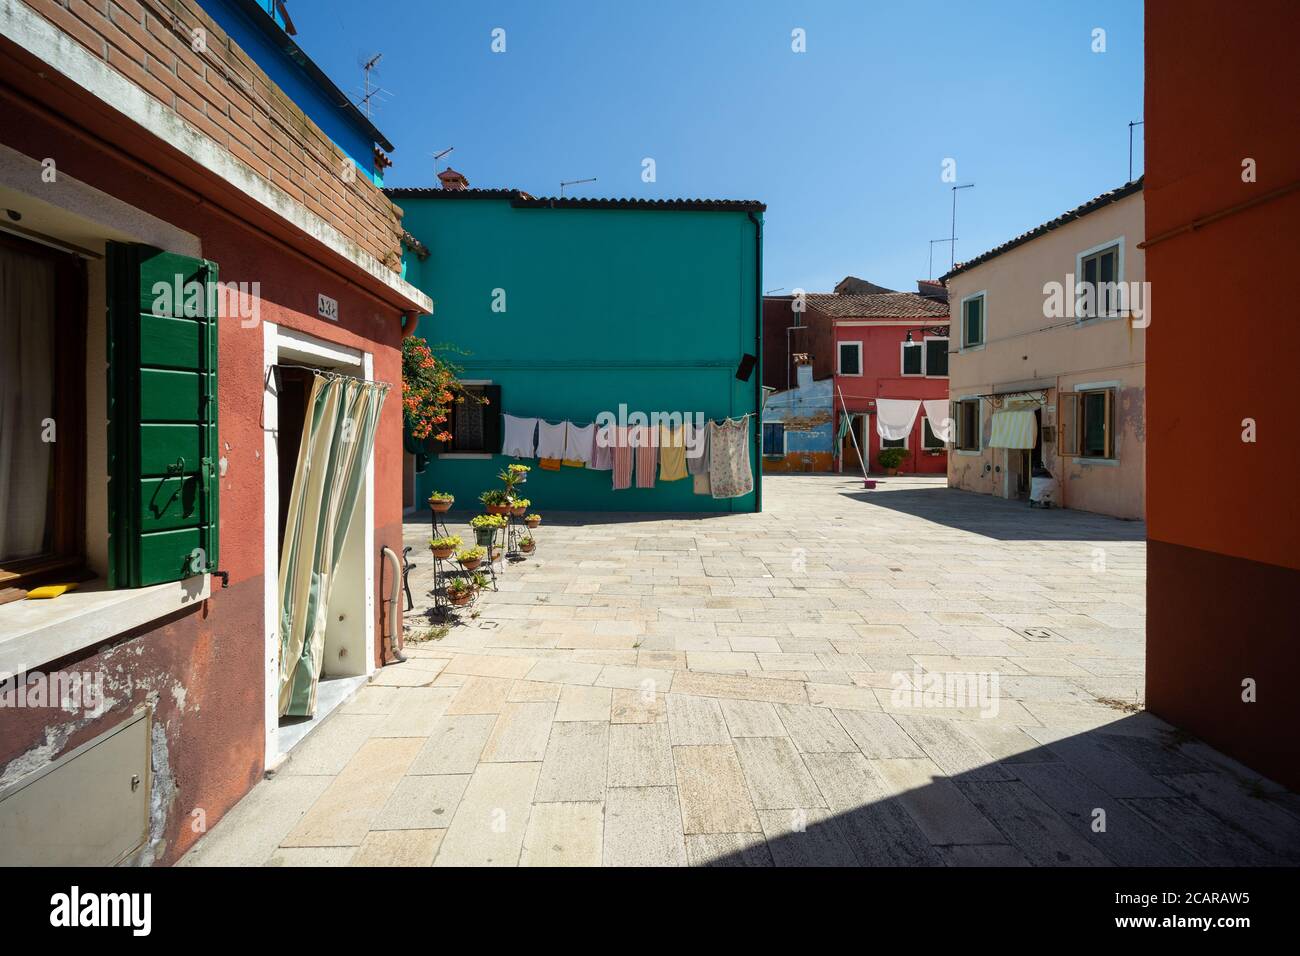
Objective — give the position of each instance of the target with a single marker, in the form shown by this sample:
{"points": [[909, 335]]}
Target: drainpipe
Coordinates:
{"points": [[390, 612], [758, 354]]}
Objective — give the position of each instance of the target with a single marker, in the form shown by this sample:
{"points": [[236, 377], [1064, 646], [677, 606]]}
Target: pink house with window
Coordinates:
{"points": [[888, 345]]}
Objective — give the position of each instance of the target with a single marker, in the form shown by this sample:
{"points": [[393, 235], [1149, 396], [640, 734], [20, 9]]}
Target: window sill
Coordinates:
{"points": [[464, 455], [1085, 460], [33, 633], [967, 451]]}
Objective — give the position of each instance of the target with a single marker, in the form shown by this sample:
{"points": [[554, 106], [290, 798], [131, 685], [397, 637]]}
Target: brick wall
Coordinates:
{"points": [[222, 92]]}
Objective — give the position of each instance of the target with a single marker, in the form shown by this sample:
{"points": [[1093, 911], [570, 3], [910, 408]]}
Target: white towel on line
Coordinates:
{"points": [[519, 436], [936, 410], [895, 417], [579, 443], [550, 439]]}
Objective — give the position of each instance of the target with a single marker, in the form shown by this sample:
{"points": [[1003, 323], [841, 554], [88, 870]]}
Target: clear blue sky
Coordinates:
{"points": [[843, 142]]}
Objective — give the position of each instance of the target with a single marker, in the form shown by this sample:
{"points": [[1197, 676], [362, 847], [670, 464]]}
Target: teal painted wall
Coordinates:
{"points": [[650, 308]]}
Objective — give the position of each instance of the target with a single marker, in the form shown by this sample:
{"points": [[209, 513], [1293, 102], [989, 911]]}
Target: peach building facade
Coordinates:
{"points": [[1048, 371]]}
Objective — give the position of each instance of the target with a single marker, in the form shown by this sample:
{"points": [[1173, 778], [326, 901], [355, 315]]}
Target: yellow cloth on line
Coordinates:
{"points": [[550, 464], [672, 454], [1014, 428], [575, 464]]}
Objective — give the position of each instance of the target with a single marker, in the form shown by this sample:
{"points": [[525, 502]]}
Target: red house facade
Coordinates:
{"points": [[888, 346]]}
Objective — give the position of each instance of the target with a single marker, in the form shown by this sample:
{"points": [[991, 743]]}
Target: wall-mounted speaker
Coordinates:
{"points": [[746, 367]]}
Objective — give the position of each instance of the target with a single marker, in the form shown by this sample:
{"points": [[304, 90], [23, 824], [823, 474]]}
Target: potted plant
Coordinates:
{"points": [[441, 501], [513, 475], [459, 591], [891, 458], [485, 528], [527, 544], [533, 520], [471, 558], [520, 507], [496, 501], [479, 580], [443, 547]]}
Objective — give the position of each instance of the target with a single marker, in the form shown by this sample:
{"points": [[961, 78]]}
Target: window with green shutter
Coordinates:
{"points": [[162, 411]]}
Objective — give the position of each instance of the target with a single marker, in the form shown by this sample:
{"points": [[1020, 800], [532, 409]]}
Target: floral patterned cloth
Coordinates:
{"points": [[730, 474]]}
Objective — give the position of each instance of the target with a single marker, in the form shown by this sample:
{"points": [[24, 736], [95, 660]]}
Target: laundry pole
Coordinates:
{"points": [[852, 434]]}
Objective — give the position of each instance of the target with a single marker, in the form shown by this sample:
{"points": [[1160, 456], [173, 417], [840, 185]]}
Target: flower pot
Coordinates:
{"points": [[469, 564], [528, 548], [460, 598], [534, 522], [519, 512], [485, 536], [442, 554], [439, 505], [498, 509], [891, 472]]}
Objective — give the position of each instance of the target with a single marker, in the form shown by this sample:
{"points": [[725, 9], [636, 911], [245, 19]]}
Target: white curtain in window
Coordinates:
{"points": [[27, 307], [895, 417]]}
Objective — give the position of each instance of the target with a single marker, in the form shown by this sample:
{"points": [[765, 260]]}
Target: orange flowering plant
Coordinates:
{"points": [[429, 388]]}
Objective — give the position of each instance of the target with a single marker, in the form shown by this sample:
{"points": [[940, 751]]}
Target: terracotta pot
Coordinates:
{"points": [[471, 563], [496, 554], [460, 598], [498, 509], [519, 512], [534, 522], [442, 554], [439, 505], [892, 472], [528, 548]]}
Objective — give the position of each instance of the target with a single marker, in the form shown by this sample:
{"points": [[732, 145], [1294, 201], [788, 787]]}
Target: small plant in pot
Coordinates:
{"points": [[533, 520], [497, 501], [459, 591], [485, 528], [513, 475], [471, 558], [441, 501], [479, 580], [443, 547], [520, 507], [527, 544], [891, 458]]}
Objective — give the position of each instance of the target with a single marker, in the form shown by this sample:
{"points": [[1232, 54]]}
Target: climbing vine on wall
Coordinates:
{"points": [[430, 387]]}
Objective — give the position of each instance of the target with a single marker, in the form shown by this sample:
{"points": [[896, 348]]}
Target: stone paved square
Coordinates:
{"points": [[790, 688]]}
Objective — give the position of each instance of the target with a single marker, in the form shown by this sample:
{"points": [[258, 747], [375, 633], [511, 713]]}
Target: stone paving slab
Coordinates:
{"points": [[757, 690]]}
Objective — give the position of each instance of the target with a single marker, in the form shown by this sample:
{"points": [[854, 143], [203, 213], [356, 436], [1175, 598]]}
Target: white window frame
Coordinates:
{"points": [[906, 446], [1115, 387], [984, 321], [924, 447], [925, 358], [902, 367], [839, 346], [979, 427], [763, 435], [1078, 278]]}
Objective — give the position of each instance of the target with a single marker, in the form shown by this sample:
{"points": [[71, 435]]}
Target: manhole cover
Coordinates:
{"points": [[1038, 634]]}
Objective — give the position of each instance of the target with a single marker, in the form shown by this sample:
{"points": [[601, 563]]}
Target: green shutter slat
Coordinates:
{"points": [[162, 404]]}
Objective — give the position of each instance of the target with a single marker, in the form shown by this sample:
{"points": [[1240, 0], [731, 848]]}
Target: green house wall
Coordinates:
{"points": [[650, 308]]}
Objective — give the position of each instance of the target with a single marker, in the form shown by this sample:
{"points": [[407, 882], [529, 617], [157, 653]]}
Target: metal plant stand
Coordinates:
{"points": [[517, 528], [440, 529]]}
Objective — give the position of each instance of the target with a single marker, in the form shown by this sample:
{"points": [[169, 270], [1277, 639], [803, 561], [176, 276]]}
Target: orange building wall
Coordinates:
{"points": [[1223, 519]]}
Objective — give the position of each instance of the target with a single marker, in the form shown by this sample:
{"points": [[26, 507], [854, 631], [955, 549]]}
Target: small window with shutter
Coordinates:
{"points": [[474, 421]]}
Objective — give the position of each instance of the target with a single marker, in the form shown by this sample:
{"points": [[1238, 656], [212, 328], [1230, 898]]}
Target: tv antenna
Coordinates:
{"points": [[1131, 124], [574, 182], [952, 239], [371, 93], [438, 156], [930, 273]]}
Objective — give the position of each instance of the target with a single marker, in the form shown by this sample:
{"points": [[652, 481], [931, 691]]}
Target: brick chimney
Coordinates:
{"points": [[451, 179], [803, 370]]}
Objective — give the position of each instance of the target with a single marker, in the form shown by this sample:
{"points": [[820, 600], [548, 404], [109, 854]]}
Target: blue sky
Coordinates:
{"points": [[844, 142]]}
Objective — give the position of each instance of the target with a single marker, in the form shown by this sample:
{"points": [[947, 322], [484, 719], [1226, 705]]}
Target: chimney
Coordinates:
{"points": [[451, 179], [803, 370], [932, 289]]}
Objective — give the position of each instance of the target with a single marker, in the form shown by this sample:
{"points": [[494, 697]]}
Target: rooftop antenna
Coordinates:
{"points": [[371, 92], [438, 156], [574, 182], [932, 242], [771, 291], [952, 239], [1131, 124]]}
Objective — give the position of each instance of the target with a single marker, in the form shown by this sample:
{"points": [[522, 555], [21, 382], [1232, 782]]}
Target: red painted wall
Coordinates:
{"points": [[203, 669], [1223, 520], [882, 378]]}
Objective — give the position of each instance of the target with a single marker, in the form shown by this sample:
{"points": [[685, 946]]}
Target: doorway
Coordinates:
{"points": [[849, 458]]}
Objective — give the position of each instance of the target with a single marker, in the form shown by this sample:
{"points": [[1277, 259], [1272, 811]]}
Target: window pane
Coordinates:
{"points": [[892, 442], [849, 360], [774, 438], [975, 321], [936, 357], [928, 438], [27, 337], [912, 359], [467, 422], [1094, 424]]}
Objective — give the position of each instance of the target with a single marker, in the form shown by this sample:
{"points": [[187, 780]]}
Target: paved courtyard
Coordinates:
{"points": [[911, 675]]}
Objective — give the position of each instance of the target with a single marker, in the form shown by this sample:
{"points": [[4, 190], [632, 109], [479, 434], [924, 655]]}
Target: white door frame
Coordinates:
{"points": [[290, 345]]}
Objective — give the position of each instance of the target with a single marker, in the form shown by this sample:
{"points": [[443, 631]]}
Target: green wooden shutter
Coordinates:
{"points": [[162, 413]]}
